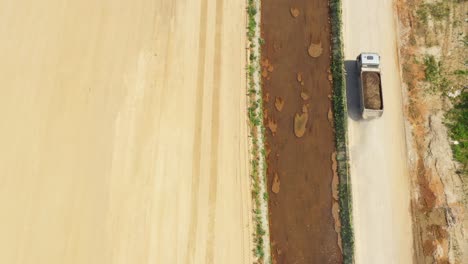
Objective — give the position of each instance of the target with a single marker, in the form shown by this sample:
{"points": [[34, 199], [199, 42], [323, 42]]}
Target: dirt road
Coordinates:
{"points": [[123, 132], [377, 148]]}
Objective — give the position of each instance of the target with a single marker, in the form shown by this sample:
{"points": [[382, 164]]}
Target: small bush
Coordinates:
{"points": [[433, 75], [465, 40], [438, 11], [422, 13], [457, 122], [432, 70], [461, 72]]}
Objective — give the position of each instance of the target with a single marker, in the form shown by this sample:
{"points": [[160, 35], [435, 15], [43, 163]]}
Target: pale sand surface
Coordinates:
{"points": [[379, 173], [123, 132]]}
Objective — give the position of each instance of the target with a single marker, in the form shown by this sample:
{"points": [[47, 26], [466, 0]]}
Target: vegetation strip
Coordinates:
{"points": [[457, 122], [456, 118], [340, 113], [257, 136]]}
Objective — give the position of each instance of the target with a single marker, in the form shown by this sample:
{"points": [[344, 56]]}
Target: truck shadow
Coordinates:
{"points": [[352, 92]]}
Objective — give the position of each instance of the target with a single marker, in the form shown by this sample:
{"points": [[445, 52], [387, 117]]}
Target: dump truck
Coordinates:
{"points": [[370, 85]]}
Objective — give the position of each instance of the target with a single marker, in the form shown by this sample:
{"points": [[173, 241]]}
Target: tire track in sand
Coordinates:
{"points": [[190, 257], [213, 188]]}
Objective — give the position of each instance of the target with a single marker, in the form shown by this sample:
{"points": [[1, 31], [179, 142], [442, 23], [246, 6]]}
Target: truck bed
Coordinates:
{"points": [[372, 90]]}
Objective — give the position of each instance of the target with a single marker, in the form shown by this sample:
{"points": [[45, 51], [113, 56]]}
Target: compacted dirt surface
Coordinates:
{"points": [[299, 138], [378, 156], [123, 132]]}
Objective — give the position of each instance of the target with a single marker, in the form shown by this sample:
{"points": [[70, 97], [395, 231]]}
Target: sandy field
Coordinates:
{"points": [[378, 156], [123, 132], [299, 135]]}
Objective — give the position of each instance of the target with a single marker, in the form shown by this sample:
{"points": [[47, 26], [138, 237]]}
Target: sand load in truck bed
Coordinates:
{"points": [[372, 92]]}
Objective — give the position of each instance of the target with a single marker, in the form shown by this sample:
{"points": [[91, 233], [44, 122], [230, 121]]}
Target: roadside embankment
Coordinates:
{"points": [[432, 47]]}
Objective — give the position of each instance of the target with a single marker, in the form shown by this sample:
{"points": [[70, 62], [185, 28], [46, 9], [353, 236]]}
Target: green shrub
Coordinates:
{"points": [[438, 11], [457, 122], [433, 75], [461, 72], [422, 13], [432, 70]]}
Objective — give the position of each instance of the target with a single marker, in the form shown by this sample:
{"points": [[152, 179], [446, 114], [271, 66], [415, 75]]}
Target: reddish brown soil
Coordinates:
{"points": [[302, 226], [372, 96]]}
